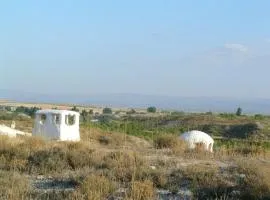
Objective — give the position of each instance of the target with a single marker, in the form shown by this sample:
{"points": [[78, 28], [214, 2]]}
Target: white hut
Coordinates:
{"points": [[194, 138], [57, 125]]}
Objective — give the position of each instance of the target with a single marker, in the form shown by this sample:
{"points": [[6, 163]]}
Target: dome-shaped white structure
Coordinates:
{"points": [[193, 138]]}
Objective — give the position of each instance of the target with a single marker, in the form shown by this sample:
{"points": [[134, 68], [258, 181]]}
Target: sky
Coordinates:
{"points": [[162, 47]]}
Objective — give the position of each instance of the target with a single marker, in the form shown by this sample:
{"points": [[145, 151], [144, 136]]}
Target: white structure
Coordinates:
{"points": [[57, 125], [11, 132], [194, 138]]}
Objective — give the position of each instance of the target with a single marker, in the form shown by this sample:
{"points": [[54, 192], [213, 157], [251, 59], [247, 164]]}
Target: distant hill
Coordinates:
{"points": [[190, 104]]}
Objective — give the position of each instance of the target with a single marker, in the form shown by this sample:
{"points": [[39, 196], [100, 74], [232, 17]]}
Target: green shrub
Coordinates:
{"points": [[151, 109], [107, 111]]}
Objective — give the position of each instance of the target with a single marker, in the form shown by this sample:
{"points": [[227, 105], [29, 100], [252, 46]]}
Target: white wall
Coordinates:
{"points": [[56, 129]]}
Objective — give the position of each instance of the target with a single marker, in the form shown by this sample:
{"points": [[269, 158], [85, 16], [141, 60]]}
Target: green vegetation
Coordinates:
{"points": [[220, 125], [107, 111], [110, 159], [151, 109], [74, 108], [239, 111], [20, 113], [132, 111], [28, 111]]}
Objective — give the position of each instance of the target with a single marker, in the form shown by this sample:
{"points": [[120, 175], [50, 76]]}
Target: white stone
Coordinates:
{"points": [[192, 138], [8, 131], [153, 167]]}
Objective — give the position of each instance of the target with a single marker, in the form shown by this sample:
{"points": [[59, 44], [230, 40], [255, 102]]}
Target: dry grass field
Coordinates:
{"points": [[112, 165], [95, 109]]}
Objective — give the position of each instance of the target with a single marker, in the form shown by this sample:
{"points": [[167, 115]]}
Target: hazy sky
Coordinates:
{"points": [[168, 47]]}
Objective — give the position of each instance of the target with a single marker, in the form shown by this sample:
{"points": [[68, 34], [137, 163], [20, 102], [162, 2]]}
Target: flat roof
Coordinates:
{"points": [[52, 111]]}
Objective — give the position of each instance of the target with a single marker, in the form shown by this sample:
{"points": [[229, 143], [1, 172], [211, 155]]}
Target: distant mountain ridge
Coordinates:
{"points": [[189, 104]]}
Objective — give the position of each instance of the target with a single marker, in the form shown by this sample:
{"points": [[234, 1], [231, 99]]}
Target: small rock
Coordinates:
{"points": [[153, 167], [242, 176], [185, 192], [39, 177]]}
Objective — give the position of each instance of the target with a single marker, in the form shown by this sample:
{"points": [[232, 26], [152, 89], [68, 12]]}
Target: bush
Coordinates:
{"points": [[259, 117], [95, 187], [165, 141], [141, 190], [104, 140], [239, 112], [132, 111], [4, 116], [243, 130], [158, 177], [253, 184], [28, 111], [124, 166], [80, 158], [151, 109], [49, 160], [227, 115], [74, 108], [12, 157], [107, 111]]}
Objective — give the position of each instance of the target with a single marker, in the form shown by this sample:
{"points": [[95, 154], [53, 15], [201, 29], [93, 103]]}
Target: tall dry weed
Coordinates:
{"points": [[94, 187]]}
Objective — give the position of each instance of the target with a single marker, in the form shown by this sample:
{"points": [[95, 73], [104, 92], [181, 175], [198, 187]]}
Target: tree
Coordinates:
{"points": [[239, 111], [132, 111], [74, 108], [8, 108], [28, 111], [84, 115], [151, 109], [107, 111]]}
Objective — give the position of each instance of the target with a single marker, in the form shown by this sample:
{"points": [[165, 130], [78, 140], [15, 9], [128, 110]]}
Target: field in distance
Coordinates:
{"points": [[138, 156]]}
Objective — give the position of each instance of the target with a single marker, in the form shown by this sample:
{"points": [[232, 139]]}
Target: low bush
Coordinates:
{"points": [[81, 158], [123, 166], [165, 141], [49, 160], [253, 183], [141, 190], [94, 187]]}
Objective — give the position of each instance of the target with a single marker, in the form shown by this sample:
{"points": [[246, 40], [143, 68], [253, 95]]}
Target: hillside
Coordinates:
{"points": [[180, 103], [110, 164]]}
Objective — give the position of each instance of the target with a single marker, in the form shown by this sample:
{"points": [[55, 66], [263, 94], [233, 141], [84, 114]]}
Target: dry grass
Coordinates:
{"points": [[113, 139], [165, 141], [22, 124], [171, 142], [255, 182], [104, 162], [124, 166], [242, 150], [13, 186], [94, 187], [141, 190]]}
